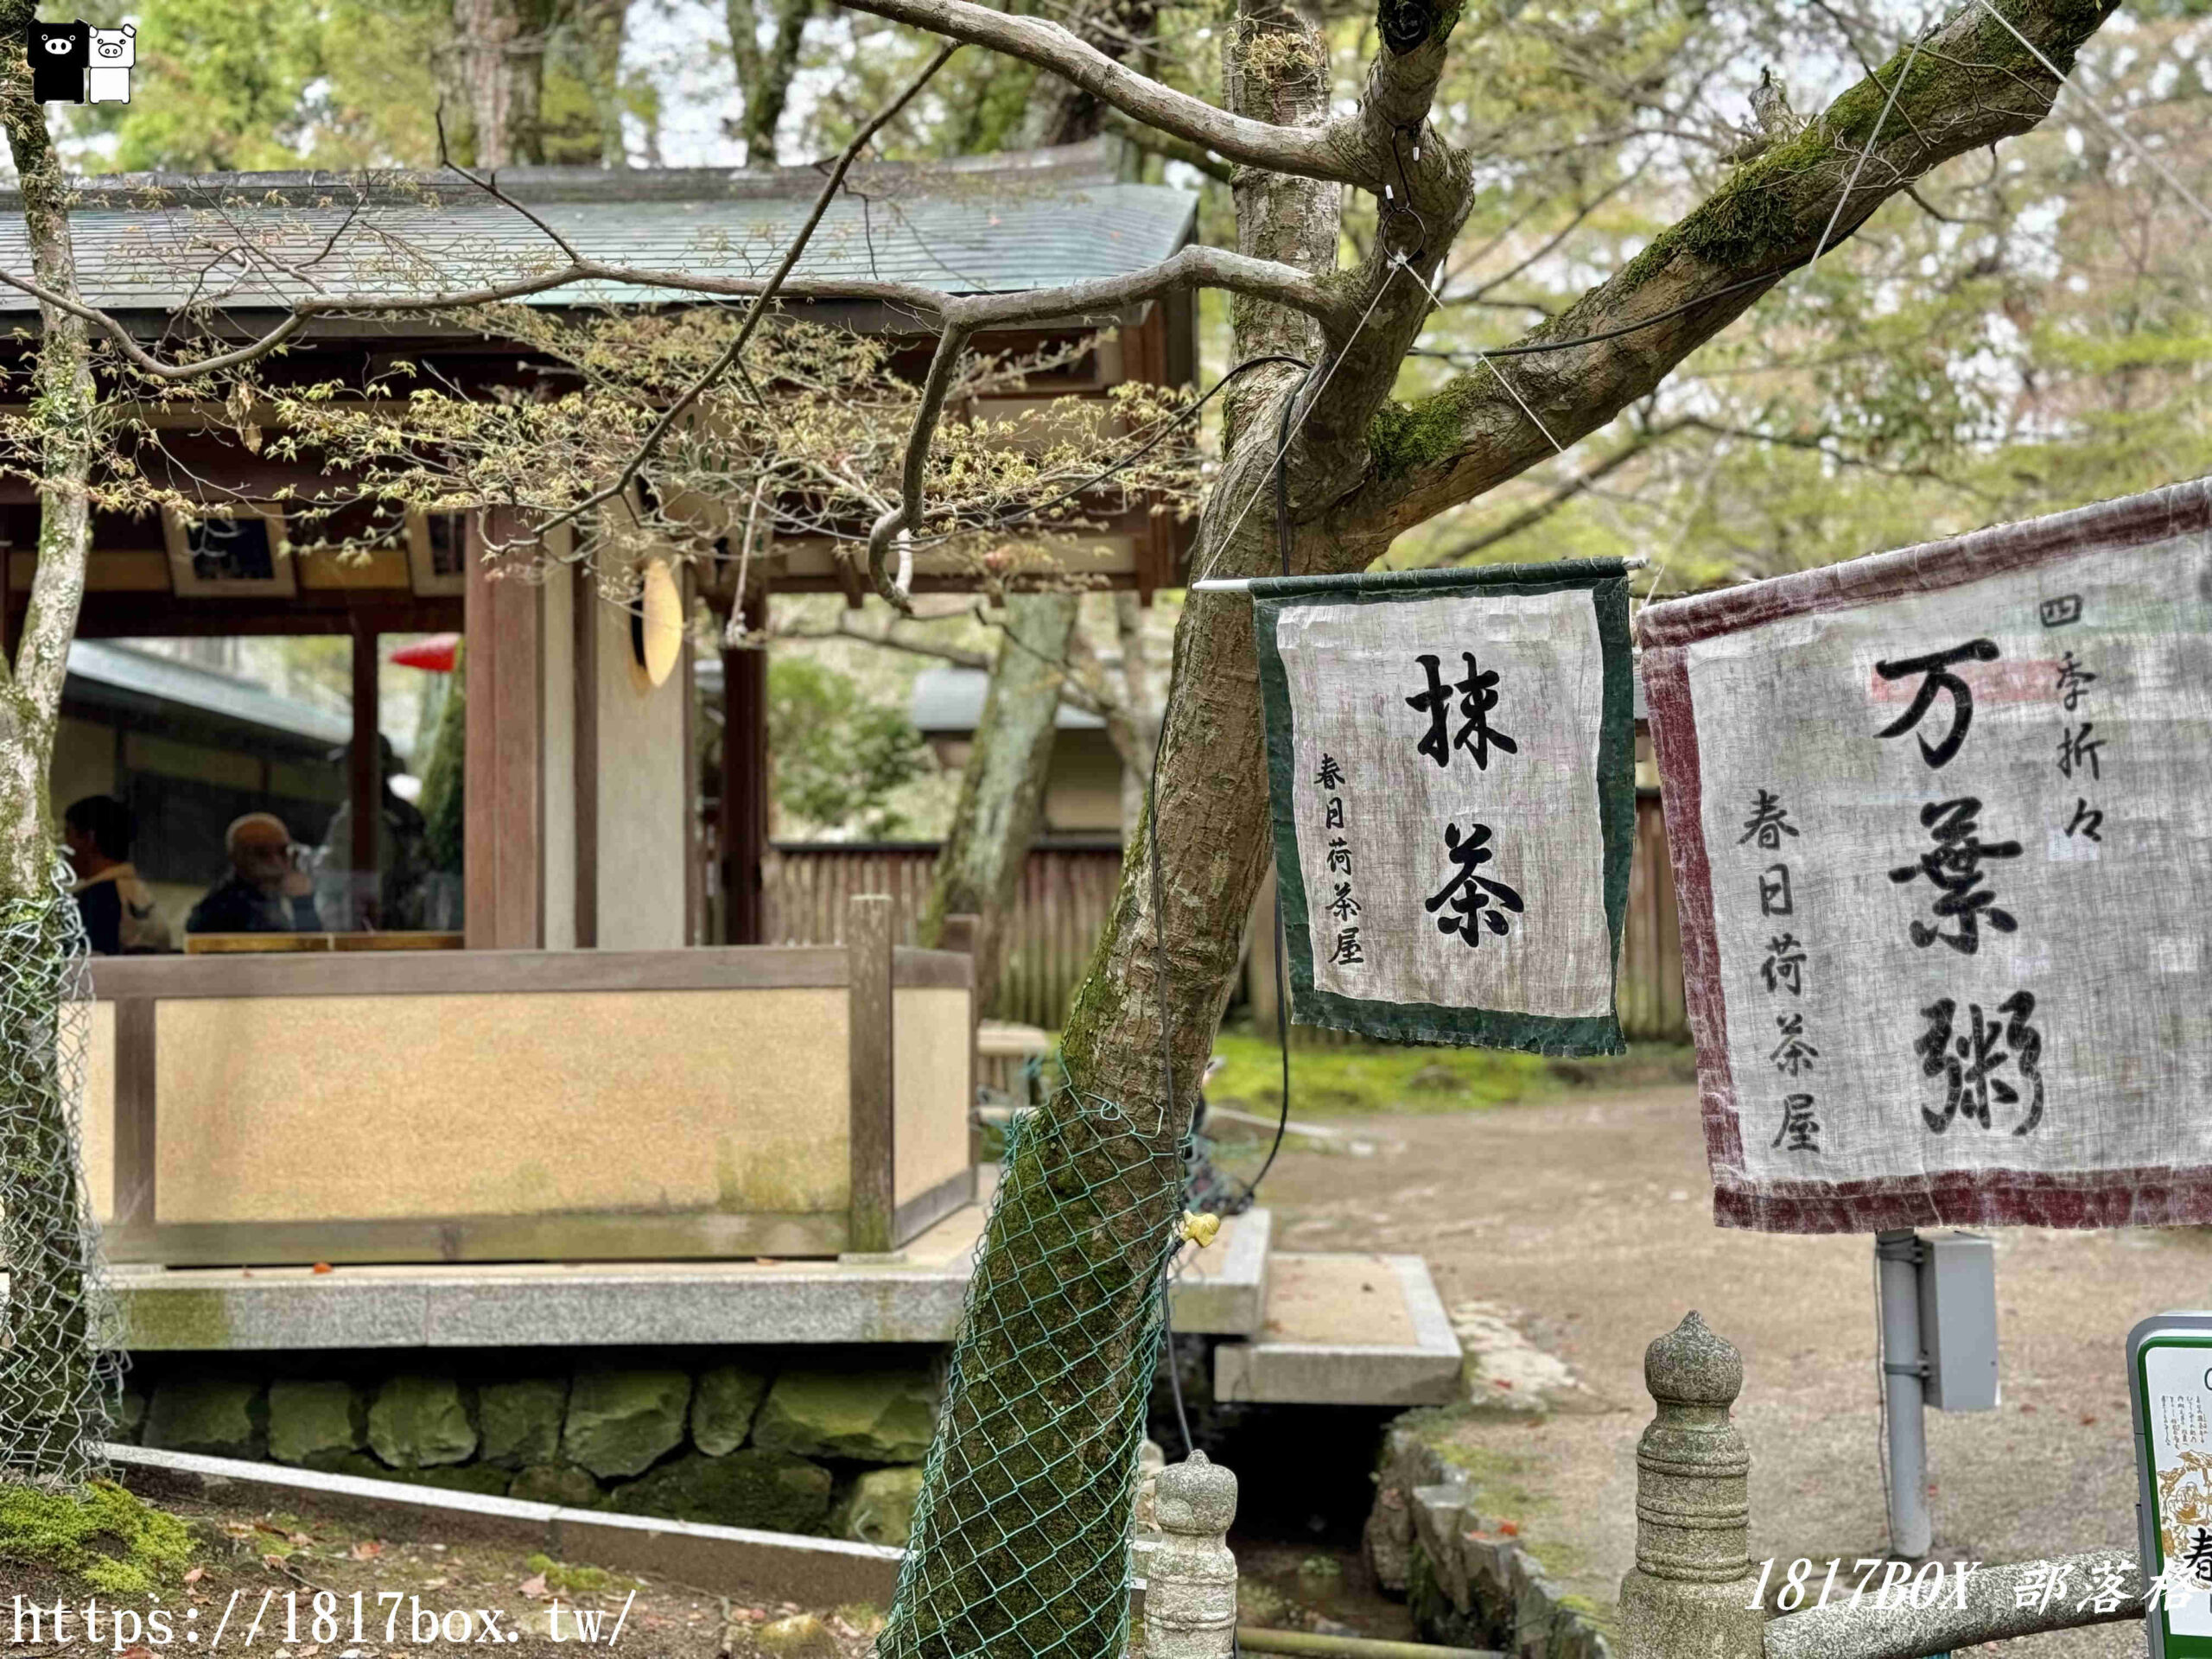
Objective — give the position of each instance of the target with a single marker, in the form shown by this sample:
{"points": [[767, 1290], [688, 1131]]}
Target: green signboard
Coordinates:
{"points": [[2170, 1387]]}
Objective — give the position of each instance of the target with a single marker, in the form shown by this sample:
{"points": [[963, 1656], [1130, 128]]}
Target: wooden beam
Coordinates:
{"points": [[137, 615], [503, 824], [586, 744], [745, 781], [135, 1137], [695, 922], [365, 793], [959, 935], [873, 1198]]}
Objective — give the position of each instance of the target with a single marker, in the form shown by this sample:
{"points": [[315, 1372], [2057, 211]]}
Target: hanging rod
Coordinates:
{"points": [[1243, 584]]}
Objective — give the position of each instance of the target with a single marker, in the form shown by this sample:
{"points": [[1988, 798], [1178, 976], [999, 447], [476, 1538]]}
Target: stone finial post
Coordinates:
{"points": [[1689, 1594], [1190, 1597]]}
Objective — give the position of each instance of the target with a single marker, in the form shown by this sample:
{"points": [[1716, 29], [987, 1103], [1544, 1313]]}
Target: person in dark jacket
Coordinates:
{"points": [[119, 909], [267, 890]]}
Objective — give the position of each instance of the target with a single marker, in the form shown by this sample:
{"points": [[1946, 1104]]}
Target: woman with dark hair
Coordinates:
{"points": [[120, 917]]}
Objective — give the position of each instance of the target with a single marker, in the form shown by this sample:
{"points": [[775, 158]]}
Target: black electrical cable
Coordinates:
{"points": [[1174, 1372], [1283, 978]]}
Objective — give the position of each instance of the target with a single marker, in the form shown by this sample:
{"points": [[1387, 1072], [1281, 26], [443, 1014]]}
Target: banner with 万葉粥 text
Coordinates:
{"points": [[1942, 828], [1451, 765]]}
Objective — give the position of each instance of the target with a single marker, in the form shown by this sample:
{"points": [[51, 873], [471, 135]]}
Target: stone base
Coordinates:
{"points": [[1467, 1580], [724, 1436]]}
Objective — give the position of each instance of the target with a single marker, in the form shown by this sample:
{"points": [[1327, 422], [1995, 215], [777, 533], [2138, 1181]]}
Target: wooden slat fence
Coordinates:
{"points": [[1650, 989], [1066, 893]]}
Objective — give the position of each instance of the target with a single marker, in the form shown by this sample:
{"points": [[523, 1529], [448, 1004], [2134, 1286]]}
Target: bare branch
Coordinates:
{"points": [[1166, 147], [907, 515], [1194, 267], [890, 640], [1088, 695], [1528, 517], [1312, 153], [729, 354]]}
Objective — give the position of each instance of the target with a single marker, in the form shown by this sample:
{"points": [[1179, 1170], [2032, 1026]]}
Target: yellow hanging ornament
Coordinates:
{"points": [[1199, 1228]]}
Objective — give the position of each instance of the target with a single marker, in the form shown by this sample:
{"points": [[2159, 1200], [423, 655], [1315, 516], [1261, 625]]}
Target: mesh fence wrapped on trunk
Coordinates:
{"points": [[60, 1358], [1020, 1540]]}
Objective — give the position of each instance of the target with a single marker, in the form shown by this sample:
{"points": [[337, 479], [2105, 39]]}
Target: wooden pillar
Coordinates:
{"points": [[959, 934], [745, 781], [873, 1196], [503, 827], [584, 665], [364, 792]]}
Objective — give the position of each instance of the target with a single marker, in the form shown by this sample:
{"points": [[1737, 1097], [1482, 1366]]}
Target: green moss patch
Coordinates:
{"points": [[1385, 1078], [569, 1578], [113, 1540]]}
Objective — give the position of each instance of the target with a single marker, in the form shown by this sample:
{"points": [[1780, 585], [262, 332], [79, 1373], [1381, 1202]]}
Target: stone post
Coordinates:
{"points": [[1190, 1597], [1689, 1594], [1151, 1460]]}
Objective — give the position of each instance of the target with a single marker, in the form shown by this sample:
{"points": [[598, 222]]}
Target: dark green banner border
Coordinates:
{"points": [[1425, 1022]]}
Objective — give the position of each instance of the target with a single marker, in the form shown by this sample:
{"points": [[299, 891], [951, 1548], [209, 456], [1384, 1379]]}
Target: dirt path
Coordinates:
{"points": [[1590, 1220], [293, 1587]]}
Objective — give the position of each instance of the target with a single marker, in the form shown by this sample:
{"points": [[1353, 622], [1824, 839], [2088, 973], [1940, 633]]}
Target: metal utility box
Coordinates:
{"points": [[1958, 1321]]}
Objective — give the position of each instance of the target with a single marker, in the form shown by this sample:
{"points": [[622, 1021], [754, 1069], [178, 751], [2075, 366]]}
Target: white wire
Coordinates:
{"points": [[1875, 137], [1499, 372], [1897, 86], [2097, 110], [1291, 436]]}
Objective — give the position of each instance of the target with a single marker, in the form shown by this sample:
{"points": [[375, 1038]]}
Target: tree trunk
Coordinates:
{"points": [[1062, 1336], [598, 25], [500, 45], [1002, 788], [764, 78], [52, 1413]]}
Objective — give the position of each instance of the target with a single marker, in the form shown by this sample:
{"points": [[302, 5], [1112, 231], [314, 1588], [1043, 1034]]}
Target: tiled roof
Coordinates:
{"points": [[114, 675], [950, 699], [991, 225]]}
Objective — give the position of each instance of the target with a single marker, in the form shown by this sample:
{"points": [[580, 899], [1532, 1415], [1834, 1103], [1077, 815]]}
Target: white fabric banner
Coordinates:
{"points": [[1436, 760], [1942, 828]]}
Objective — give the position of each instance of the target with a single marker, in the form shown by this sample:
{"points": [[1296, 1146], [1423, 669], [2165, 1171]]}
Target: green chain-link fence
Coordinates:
{"points": [[59, 1362], [1020, 1544]]}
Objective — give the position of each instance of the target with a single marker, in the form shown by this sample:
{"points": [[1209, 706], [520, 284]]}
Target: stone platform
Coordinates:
{"points": [[910, 1295], [1299, 1329], [1344, 1330]]}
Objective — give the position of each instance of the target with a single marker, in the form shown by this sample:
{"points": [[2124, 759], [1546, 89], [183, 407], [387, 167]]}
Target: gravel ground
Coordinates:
{"points": [[1590, 1221]]}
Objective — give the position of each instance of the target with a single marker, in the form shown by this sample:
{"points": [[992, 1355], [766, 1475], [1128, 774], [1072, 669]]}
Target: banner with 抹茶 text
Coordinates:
{"points": [[1451, 762], [1942, 827]]}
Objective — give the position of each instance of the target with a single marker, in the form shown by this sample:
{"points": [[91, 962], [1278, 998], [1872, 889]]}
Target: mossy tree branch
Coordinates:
{"points": [[1967, 86]]}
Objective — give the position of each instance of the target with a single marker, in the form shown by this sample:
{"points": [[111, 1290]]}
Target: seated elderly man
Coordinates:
{"points": [[267, 890]]}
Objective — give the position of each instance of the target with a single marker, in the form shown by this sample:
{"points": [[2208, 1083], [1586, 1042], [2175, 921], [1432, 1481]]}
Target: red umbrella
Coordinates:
{"points": [[435, 653]]}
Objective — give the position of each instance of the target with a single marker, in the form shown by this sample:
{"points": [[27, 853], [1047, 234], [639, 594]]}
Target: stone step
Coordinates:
{"points": [[909, 1295], [1344, 1330]]}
